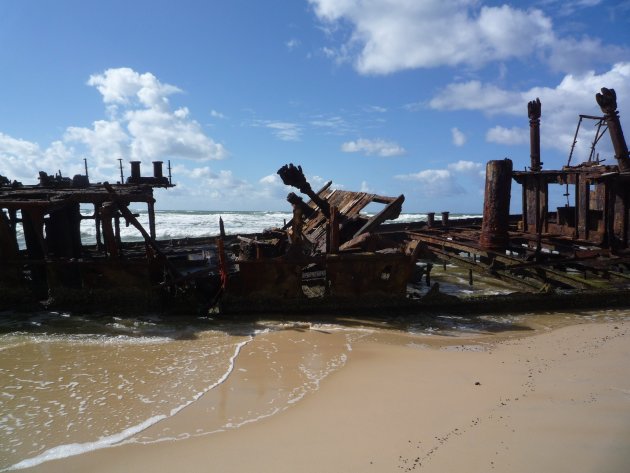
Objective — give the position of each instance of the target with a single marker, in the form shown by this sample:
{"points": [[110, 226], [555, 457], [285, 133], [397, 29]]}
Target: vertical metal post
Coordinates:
{"points": [[334, 230], [496, 205], [151, 212], [445, 219], [122, 178], [107, 211], [533, 111], [97, 223]]}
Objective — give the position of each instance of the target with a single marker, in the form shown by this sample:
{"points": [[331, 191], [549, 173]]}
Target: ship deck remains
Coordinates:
{"points": [[332, 256]]}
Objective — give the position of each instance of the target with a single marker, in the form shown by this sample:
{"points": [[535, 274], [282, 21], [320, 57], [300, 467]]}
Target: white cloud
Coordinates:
{"points": [[579, 55], [292, 44], [459, 139], [444, 182], [156, 133], [106, 141], [332, 124], [215, 114], [434, 182], [474, 95], [21, 160], [561, 106], [376, 147], [271, 180], [376, 109], [124, 86], [218, 185], [284, 131], [568, 7], [507, 136], [141, 126], [271, 186], [385, 36], [465, 167]]}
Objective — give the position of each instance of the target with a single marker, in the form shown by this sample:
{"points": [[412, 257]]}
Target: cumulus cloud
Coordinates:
{"points": [[465, 167], [124, 86], [218, 185], [475, 95], [141, 126], [459, 139], [21, 159], [376, 147], [507, 136], [444, 182], [385, 36], [105, 142], [434, 182], [561, 105], [157, 133], [153, 130]]}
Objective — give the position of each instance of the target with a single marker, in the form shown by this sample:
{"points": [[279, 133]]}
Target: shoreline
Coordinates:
{"points": [[553, 401]]}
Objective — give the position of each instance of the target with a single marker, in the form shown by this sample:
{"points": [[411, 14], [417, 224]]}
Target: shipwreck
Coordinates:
{"points": [[332, 256]]}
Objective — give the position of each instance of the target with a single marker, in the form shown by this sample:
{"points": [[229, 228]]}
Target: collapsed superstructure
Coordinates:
{"points": [[331, 255]]}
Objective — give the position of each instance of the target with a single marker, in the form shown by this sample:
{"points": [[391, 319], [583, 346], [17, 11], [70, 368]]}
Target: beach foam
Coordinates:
{"points": [[70, 387]]}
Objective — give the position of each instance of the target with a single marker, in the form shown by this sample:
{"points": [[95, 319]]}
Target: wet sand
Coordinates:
{"points": [[555, 401]]}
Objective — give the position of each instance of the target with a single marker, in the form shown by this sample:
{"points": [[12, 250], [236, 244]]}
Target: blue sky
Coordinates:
{"points": [[387, 96]]}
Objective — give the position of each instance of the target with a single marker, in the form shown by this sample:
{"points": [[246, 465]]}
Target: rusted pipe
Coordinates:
{"points": [[294, 176], [496, 205], [135, 170], [157, 169], [607, 101], [533, 111], [430, 219], [445, 219]]}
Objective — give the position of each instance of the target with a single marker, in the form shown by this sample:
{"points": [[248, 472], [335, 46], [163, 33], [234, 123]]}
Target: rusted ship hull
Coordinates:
{"points": [[331, 257]]}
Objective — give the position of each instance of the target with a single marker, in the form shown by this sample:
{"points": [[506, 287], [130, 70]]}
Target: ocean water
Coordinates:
{"points": [[181, 224], [70, 384]]}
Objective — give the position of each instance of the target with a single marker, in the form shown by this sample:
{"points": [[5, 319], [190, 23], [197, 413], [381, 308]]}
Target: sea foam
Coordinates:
{"points": [[68, 450]]}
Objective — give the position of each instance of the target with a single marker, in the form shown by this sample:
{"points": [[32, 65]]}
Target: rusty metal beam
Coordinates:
{"points": [[390, 212]]}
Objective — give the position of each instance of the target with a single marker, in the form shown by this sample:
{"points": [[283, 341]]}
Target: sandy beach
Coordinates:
{"points": [[551, 400]]}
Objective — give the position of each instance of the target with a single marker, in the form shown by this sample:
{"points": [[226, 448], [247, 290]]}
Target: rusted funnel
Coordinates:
{"points": [[496, 205], [157, 169], [135, 170], [533, 111]]}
